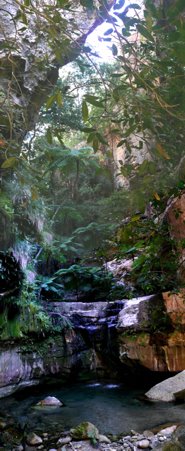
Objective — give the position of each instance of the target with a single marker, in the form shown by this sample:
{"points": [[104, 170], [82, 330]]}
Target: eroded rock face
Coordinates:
{"points": [[147, 333], [136, 313], [175, 307], [102, 338], [80, 348], [27, 365]]}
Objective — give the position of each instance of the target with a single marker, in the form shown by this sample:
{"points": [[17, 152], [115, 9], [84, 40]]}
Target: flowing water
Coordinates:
{"points": [[112, 407]]}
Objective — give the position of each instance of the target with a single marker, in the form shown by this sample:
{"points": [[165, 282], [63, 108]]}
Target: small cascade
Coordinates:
{"points": [[96, 324], [24, 253]]}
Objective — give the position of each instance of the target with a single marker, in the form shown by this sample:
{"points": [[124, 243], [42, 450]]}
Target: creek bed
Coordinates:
{"points": [[113, 408]]}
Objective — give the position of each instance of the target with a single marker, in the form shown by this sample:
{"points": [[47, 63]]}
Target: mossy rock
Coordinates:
{"points": [[85, 431], [172, 446]]}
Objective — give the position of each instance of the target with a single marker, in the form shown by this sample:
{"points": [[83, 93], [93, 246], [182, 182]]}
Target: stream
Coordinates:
{"points": [[113, 408]]}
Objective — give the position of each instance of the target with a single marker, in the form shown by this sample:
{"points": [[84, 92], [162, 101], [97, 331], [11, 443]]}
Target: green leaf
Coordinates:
{"points": [[50, 101], [114, 50], [9, 163], [144, 32], [23, 18], [116, 94], [134, 6], [130, 130], [85, 112], [63, 4], [88, 129], [59, 98], [109, 31], [95, 143], [121, 143], [93, 100], [49, 136], [101, 138], [90, 138]]}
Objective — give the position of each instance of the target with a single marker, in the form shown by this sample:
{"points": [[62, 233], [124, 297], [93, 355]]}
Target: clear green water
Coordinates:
{"points": [[112, 408]]}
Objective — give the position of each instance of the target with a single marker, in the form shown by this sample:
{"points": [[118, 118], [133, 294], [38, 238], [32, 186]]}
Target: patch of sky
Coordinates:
{"points": [[100, 42]]}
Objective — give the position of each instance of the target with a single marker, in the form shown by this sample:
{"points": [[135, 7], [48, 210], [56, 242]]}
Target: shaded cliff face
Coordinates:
{"points": [[27, 364], [86, 347]]}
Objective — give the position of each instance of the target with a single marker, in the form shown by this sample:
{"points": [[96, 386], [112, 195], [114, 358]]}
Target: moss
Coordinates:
{"points": [[85, 430], [172, 446]]}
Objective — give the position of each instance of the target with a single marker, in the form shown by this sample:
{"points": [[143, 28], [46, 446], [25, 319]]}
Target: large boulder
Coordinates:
{"points": [[168, 390], [84, 431], [136, 313], [148, 335], [50, 401]]}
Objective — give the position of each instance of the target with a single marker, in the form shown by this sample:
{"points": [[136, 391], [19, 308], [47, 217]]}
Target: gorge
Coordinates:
{"points": [[92, 225]]}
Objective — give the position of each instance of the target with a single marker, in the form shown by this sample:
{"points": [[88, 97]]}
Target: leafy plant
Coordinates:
{"points": [[91, 282]]}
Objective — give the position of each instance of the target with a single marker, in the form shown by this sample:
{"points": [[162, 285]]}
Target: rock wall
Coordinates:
{"points": [[29, 363], [79, 350], [151, 332], [133, 157], [106, 339]]}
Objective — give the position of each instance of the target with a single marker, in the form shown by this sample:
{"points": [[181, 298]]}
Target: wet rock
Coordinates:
{"points": [[103, 439], [169, 430], [143, 444], [64, 440], [33, 439], [50, 401], [148, 434], [84, 431], [19, 448]]}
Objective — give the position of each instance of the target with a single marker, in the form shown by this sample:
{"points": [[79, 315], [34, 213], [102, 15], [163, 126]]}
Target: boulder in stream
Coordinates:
{"points": [[33, 439], [168, 390], [50, 401], [84, 431]]}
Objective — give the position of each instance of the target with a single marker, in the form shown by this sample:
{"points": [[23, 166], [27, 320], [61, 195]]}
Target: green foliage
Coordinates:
{"points": [[160, 320], [155, 259], [91, 282], [62, 189], [121, 292]]}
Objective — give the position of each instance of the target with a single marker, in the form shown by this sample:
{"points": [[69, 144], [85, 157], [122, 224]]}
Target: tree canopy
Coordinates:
{"points": [[59, 136]]}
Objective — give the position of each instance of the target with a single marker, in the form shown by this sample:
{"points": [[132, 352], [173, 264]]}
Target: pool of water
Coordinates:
{"points": [[113, 408]]}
